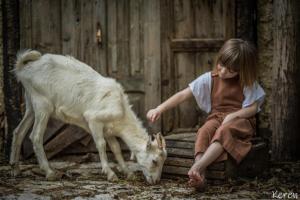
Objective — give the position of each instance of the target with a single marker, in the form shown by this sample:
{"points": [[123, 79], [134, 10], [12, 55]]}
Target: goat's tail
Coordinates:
{"points": [[25, 56]]}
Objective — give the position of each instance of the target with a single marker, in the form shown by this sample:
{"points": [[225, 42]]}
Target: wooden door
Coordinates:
{"points": [[118, 38], [192, 33]]}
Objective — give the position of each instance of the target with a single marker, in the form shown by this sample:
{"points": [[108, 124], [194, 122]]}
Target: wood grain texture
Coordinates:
{"points": [[46, 34], [285, 86], [25, 24], [65, 138], [152, 58]]}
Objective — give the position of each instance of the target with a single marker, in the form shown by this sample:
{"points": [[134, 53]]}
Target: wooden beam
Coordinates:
{"points": [[152, 58], [12, 90], [67, 137], [53, 127], [185, 162], [190, 136], [285, 109], [77, 148], [179, 144], [246, 20], [184, 171], [177, 152], [167, 80], [196, 44]]}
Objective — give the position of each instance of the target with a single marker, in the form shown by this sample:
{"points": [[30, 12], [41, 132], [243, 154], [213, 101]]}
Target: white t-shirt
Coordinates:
{"points": [[201, 89]]}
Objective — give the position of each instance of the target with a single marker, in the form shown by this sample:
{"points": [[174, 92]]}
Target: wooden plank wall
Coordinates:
{"points": [[180, 149], [195, 30]]}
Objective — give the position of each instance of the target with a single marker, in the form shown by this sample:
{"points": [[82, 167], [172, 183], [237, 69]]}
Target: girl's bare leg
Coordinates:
{"points": [[198, 157], [210, 155]]}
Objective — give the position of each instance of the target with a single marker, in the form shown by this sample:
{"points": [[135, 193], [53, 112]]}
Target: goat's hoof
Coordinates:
{"points": [[131, 176], [54, 176], [104, 171], [132, 157], [15, 170], [112, 177]]}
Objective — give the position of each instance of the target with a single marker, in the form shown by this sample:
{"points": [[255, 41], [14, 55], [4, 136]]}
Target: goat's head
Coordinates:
{"points": [[152, 158]]}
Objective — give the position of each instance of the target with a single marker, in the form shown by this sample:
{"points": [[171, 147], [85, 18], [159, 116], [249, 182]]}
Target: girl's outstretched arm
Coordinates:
{"points": [[247, 112], [173, 101]]}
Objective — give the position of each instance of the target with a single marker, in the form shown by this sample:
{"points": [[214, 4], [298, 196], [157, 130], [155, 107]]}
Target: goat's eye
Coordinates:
{"points": [[154, 162]]}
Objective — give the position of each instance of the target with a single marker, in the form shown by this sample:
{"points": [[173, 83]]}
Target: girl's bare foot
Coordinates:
{"points": [[195, 171], [197, 178], [198, 183]]}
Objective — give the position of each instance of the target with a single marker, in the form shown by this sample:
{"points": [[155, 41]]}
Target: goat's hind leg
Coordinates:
{"points": [[18, 136], [42, 109], [36, 136]]}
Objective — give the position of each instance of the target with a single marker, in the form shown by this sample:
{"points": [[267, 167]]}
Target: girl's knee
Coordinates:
{"points": [[224, 128], [223, 132], [203, 134]]}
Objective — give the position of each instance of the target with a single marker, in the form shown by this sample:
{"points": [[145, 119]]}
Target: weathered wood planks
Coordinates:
{"points": [[67, 137], [54, 126], [180, 148]]}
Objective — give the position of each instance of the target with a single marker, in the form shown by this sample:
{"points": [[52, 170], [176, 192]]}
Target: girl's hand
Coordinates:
{"points": [[153, 115], [229, 117]]}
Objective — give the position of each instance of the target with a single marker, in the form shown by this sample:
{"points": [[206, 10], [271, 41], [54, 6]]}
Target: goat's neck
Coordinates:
{"points": [[135, 144], [132, 133]]}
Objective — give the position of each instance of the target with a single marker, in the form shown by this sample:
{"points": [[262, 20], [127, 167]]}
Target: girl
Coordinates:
{"points": [[232, 97]]}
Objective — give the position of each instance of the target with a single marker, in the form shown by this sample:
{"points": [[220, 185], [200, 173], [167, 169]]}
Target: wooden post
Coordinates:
{"points": [[11, 44], [286, 84], [152, 57], [246, 20]]}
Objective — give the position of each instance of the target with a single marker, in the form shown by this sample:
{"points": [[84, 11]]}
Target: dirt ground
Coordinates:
{"points": [[84, 181]]}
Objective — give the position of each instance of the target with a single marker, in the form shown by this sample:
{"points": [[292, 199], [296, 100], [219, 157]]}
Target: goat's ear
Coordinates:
{"points": [[149, 142], [163, 142], [160, 140]]}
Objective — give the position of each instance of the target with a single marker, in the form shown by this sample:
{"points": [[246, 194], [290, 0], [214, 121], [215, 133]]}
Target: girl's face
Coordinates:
{"points": [[225, 73]]}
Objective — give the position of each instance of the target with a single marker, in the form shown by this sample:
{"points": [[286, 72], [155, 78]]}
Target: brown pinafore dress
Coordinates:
{"points": [[226, 97]]}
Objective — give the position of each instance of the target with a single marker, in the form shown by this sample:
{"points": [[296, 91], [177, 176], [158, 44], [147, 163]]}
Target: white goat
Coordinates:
{"points": [[71, 91]]}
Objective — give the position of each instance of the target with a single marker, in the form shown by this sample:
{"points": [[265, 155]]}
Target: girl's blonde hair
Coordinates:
{"points": [[240, 56]]}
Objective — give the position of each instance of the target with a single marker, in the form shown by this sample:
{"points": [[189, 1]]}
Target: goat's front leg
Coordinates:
{"points": [[97, 133], [36, 137], [116, 149]]}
